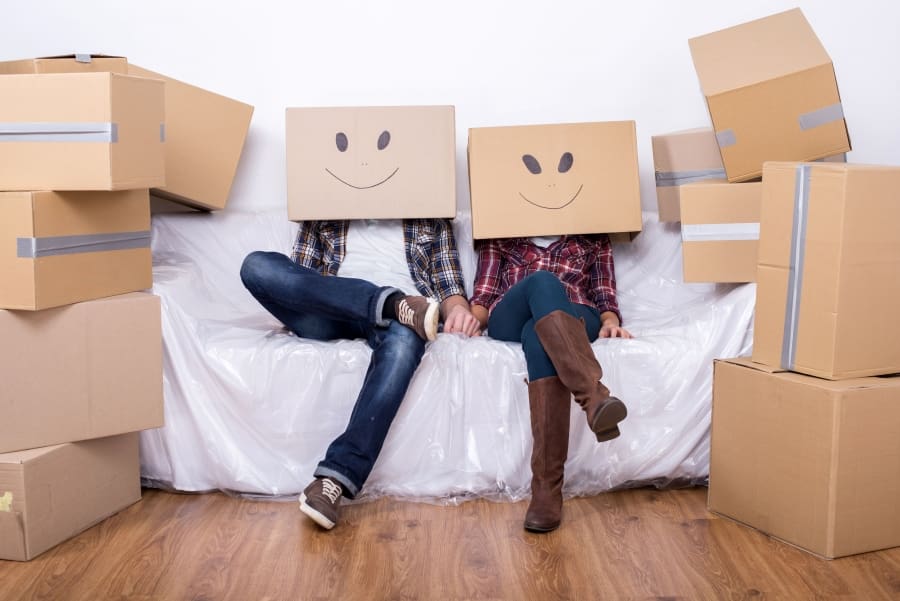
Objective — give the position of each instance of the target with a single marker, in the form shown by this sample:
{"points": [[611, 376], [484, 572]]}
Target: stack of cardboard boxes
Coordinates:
{"points": [[772, 96], [83, 139], [806, 435]]}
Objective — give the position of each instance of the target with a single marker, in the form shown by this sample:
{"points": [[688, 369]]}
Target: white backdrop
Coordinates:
{"points": [[499, 63]]}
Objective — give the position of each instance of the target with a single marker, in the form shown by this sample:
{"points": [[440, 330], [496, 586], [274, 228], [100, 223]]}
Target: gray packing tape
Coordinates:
{"points": [[44, 131], [678, 178], [710, 232], [162, 132], [726, 138], [33, 248], [795, 266], [828, 114], [82, 58]]}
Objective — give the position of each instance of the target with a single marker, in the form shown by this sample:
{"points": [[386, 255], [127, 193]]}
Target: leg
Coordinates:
{"points": [[292, 293], [396, 353], [567, 342], [548, 400], [534, 297]]}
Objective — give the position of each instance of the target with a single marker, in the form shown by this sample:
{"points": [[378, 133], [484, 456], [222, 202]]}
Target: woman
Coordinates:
{"points": [[555, 295]]}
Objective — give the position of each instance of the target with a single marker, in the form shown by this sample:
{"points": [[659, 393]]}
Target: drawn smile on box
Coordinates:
{"points": [[342, 143], [565, 163]]}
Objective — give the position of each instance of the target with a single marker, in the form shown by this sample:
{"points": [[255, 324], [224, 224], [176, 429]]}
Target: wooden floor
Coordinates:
{"points": [[635, 544]]}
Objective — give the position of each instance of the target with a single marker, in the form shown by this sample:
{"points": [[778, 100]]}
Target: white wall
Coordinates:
{"points": [[499, 63]]}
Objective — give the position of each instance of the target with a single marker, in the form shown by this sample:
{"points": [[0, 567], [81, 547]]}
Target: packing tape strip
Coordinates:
{"points": [[82, 58], [709, 232], [828, 114], [795, 266], [726, 138], [678, 178], [59, 132], [34, 248]]}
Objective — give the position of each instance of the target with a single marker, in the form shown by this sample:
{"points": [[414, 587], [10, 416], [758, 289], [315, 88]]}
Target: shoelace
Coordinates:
{"points": [[331, 490], [405, 313]]}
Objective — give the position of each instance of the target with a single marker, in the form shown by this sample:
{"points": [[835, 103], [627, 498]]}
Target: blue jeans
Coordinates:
{"points": [[527, 302], [328, 308]]}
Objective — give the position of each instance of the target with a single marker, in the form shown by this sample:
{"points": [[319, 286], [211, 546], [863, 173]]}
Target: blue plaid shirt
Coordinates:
{"points": [[431, 253]]}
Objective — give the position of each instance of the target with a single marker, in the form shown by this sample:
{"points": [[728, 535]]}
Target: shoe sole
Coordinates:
{"points": [[540, 529], [314, 515], [606, 422], [432, 317]]}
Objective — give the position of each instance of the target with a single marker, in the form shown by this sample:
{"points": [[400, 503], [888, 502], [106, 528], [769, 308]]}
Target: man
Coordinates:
{"points": [[325, 291]]}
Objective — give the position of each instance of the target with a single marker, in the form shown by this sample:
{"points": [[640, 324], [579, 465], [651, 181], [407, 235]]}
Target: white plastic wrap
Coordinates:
{"points": [[250, 408]]}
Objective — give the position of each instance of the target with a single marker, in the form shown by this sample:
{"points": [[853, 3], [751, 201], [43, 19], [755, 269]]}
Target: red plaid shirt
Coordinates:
{"points": [[583, 263]]}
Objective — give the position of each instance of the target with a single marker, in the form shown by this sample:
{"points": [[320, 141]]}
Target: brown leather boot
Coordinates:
{"points": [[566, 343], [549, 402]]}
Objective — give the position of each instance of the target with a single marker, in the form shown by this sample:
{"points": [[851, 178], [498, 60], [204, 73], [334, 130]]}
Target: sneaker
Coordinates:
{"points": [[320, 502], [420, 314]]}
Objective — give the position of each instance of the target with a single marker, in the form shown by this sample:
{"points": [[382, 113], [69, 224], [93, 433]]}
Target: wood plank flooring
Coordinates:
{"points": [[634, 544]]}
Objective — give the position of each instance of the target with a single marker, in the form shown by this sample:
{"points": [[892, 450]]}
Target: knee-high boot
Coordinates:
{"points": [[549, 402], [566, 343]]}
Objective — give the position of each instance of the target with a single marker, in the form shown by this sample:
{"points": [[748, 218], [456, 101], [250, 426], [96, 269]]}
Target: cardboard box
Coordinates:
{"points": [[371, 162], [78, 372], [541, 180], [771, 92], [60, 248], [720, 231], [809, 461], [81, 131], [66, 63], [680, 158], [205, 135], [828, 283], [49, 495]]}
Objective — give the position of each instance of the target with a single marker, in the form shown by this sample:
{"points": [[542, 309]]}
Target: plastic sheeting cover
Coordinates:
{"points": [[251, 408]]}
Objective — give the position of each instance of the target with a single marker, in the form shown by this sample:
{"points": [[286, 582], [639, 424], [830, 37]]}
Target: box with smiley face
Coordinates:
{"points": [[541, 180], [371, 162]]}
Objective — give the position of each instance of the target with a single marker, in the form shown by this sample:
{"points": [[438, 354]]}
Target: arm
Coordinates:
{"points": [[447, 279], [307, 250], [603, 291], [487, 279]]}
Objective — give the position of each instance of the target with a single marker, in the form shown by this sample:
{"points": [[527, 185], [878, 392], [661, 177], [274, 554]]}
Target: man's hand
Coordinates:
{"points": [[458, 317], [610, 328]]}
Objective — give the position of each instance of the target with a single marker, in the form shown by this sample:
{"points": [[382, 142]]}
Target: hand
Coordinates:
{"points": [[611, 330], [460, 320]]}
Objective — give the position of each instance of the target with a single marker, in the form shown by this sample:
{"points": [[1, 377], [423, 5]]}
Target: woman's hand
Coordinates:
{"points": [[610, 328]]}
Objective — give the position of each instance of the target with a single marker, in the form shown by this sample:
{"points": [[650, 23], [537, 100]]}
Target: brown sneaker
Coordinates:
{"points": [[320, 501], [420, 314]]}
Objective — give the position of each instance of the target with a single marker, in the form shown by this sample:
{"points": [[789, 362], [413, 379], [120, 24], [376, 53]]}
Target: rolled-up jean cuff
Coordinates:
{"points": [[350, 489], [380, 321]]}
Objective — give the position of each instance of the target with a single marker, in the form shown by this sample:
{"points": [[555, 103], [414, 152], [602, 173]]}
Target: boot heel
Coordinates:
{"points": [[609, 415], [608, 434]]}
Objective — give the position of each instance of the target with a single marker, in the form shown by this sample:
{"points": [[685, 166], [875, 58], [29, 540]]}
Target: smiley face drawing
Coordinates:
{"points": [[383, 162], [343, 143], [555, 200]]}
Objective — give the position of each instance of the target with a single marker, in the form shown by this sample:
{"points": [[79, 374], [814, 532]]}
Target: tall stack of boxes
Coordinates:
{"points": [[806, 434], [83, 140]]}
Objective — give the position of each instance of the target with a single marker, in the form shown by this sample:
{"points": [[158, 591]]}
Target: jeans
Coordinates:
{"points": [[527, 302], [328, 308]]}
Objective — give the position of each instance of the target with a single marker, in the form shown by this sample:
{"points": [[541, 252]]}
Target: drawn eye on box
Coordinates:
{"points": [[554, 191]]}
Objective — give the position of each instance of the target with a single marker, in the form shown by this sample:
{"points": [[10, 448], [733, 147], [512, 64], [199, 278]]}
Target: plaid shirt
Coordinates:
{"points": [[430, 253], [584, 264]]}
